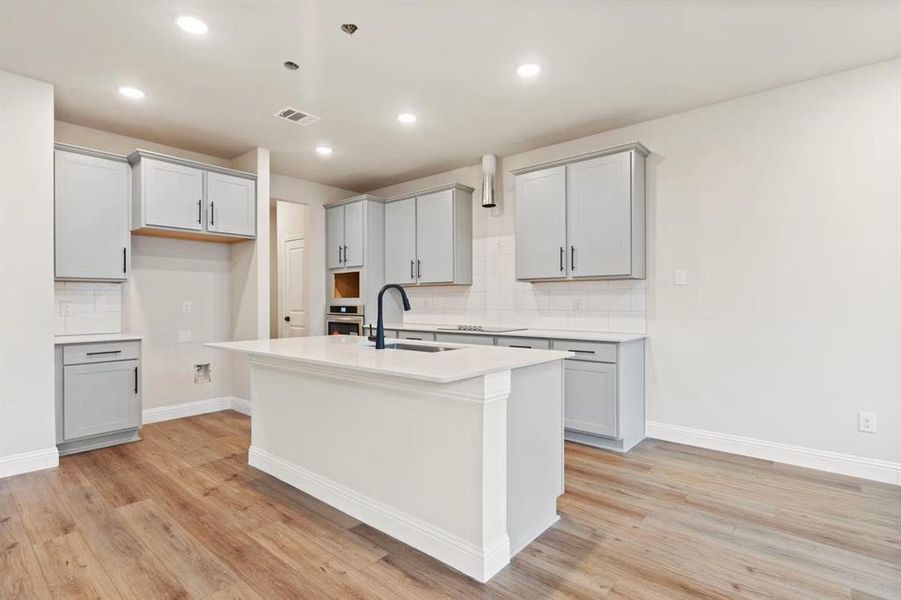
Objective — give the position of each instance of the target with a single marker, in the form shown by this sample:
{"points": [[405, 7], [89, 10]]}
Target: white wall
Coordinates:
{"points": [[313, 195], [785, 208], [27, 436]]}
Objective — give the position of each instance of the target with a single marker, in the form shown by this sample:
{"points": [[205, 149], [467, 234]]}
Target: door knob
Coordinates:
{"points": [[287, 318]]}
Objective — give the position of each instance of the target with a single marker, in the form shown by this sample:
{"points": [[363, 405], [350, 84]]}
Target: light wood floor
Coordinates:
{"points": [[180, 515]]}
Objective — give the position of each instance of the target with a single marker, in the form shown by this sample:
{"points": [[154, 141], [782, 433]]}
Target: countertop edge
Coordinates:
{"points": [[95, 338], [610, 337]]}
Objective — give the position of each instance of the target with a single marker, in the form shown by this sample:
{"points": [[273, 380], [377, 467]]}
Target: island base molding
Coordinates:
{"points": [[478, 563]]}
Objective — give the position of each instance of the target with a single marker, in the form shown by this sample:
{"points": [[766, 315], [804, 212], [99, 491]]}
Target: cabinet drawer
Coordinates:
{"points": [[101, 352], [416, 335], [594, 351], [524, 342], [465, 338]]}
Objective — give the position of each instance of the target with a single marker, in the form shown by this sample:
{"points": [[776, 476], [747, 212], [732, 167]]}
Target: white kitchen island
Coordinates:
{"points": [[457, 453]]}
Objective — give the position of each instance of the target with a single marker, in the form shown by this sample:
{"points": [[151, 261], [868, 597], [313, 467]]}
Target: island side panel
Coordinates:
{"points": [[423, 462], [534, 451]]}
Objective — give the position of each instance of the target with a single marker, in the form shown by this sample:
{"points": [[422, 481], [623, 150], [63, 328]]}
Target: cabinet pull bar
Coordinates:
{"points": [[136, 380], [561, 258], [412, 276], [580, 351], [418, 269], [339, 254], [212, 213], [200, 212], [572, 258], [104, 352], [516, 346], [124, 261], [345, 253]]}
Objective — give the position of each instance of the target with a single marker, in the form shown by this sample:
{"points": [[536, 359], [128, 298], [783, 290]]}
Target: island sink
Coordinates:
{"points": [[417, 348]]}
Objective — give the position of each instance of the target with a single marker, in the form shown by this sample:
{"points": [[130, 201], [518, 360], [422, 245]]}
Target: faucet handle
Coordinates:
{"points": [[371, 337]]}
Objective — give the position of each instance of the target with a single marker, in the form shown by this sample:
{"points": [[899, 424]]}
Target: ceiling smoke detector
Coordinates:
{"points": [[295, 116], [349, 28]]}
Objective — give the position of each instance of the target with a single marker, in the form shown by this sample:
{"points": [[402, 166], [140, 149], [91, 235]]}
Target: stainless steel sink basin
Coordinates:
{"points": [[417, 347]]}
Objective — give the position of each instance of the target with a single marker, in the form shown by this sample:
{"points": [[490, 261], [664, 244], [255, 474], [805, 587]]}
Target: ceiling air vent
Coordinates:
{"points": [[295, 116]]}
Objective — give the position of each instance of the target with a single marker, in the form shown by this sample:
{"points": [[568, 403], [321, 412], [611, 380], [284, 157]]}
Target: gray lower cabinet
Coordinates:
{"points": [[603, 402], [98, 389]]}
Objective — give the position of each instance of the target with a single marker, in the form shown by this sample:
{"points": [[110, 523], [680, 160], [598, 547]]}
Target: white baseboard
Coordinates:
{"points": [[822, 460], [479, 563], [36, 460], [240, 405], [197, 407]]}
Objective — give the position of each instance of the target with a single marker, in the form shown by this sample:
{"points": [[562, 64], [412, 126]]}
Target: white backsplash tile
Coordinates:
{"points": [[87, 307], [497, 298]]}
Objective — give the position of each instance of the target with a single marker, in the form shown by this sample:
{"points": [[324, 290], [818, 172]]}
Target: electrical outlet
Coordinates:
{"points": [[578, 305], [186, 306], [866, 422], [184, 336], [681, 277]]}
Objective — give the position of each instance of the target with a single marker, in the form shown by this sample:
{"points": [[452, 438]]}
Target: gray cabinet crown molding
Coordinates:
{"points": [[138, 154], [89, 152], [440, 188], [353, 199], [638, 147]]}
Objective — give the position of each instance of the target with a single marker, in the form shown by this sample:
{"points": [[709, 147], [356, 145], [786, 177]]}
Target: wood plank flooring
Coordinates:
{"points": [[181, 515]]}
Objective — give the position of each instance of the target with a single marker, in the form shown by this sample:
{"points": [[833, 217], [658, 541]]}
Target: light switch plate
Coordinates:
{"points": [[184, 336], [186, 306], [681, 277]]}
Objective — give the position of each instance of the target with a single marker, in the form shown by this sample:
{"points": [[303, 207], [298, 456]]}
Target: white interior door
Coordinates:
{"points": [[292, 288]]}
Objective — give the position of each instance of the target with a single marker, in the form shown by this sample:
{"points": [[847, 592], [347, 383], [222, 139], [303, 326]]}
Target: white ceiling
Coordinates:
{"points": [[605, 64]]}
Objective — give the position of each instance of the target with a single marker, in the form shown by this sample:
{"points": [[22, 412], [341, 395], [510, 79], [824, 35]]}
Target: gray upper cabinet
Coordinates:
{"points": [[172, 194], [435, 237], [172, 197], [428, 237], [230, 204], [91, 204], [541, 224], [400, 241], [583, 218], [344, 232]]}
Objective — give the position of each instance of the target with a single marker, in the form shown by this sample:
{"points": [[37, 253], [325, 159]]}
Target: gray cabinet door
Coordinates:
{"points": [[353, 234], [400, 241], [91, 217], [599, 212], [231, 204], [465, 338], [590, 397], [173, 195], [100, 398], [334, 237], [435, 237], [541, 224], [416, 335]]}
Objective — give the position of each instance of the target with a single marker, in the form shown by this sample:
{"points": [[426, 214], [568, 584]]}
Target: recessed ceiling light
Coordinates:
{"points": [[192, 24], [131, 92], [323, 150], [529, 70], [406, 118]]}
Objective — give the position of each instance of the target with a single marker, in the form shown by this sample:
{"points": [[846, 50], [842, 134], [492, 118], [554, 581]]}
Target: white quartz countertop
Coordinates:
{"points": [[560, 334], [357, 354], [61, 340]]}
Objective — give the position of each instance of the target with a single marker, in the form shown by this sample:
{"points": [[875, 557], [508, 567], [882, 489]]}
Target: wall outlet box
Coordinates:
{"points": [[866, 422], [186, 306], [680, 276], [184, 336], [202, 373]]}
